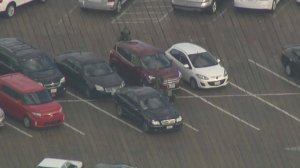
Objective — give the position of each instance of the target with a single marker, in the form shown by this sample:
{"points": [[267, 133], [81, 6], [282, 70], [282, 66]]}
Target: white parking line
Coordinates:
{"points": [[222, 110], [123, 12], [18, 129], [191, 127], [73, 128], [165, 15], [105, 112], [68, 13], [273, 73], [265, 101], [294, 148]]}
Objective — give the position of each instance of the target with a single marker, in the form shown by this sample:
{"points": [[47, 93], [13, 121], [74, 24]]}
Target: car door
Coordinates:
{"points": [[131, 107], [181, 61], [11, 102]]}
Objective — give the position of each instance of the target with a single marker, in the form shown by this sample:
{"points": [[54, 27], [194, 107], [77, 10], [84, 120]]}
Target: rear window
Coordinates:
{"points": [[36, 98], [158, 61], [35, 64]]}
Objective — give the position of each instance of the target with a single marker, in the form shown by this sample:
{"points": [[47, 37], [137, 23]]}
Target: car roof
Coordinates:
{"points": [[83, 57], [139, 91], [20, 83], [189, 48], [140, 48], [19, 48], [51, 162]]}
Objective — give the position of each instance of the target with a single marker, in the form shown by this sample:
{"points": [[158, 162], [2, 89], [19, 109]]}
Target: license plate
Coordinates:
{"points": [[53, 90], [171, 86], [217, 83], [169, 127]]}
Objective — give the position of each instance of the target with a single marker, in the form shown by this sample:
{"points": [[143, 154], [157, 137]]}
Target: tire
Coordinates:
{"points": [[120, 112], [87, 92], [274, 5], [10, 10], [118, 9], [145, 127], [288, 70], [193, 84], [26, 122], [213, 7]]}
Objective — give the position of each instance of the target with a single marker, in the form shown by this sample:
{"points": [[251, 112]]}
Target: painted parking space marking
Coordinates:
{"points": [[266, 102], [73, 128], [294, 148], [123, 12], [273, 73], [191, 127], [222, 110], [18, 129], [105, 112], [69, 12]]}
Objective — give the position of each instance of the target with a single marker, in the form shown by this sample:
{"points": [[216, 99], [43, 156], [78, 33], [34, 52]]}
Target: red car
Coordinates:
{"points": [[28, 101], [141, 63]]}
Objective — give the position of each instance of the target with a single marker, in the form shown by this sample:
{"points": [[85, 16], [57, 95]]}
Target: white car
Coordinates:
{"points": [[59, 163], [106, 5], [195, 5], [9, 6], [198, 67], [2, 117], [257, 4]]}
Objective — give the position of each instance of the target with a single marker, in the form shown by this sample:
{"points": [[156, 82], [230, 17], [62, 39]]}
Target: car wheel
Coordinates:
{"points": [[274, 5], [118, 8], [87, 92], [145, 127], [193, 84], [213, 7], [120, 111], [26, 122], [288, 70], [10, 10]]}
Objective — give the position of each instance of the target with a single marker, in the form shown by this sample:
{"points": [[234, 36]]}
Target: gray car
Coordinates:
{"points": [[106, 5], [195, 5], [2, 117]]}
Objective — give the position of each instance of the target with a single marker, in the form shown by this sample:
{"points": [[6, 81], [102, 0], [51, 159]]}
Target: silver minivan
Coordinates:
{"points": [[2, 117], [107, 5]]}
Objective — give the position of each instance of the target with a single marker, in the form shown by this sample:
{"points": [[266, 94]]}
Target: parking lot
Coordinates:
{"points": [[253, 122]]}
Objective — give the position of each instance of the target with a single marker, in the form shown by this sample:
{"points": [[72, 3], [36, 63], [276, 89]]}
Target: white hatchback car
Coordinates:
{"points": [[59, 163], [9, 6], [198, 67], [106, 5], [257, 4]]}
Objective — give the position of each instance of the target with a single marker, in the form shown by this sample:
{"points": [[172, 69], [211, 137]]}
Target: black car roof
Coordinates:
{"points": [[84, 56], [19, 48], [139, 91]]}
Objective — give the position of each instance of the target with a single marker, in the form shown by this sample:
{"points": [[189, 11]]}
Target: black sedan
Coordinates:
{"points": [[148, 108], [88, 73], [291, 59]]}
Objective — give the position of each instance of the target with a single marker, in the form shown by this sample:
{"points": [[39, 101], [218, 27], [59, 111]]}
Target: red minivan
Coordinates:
{"points": [[28, 101]]}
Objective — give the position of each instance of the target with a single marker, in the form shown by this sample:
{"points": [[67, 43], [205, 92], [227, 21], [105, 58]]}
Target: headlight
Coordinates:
{"points": [[36, 114], [122, 84], [179, 119], [225, 73], [202, 77], [62, 80], [99, 88], [155, 122], [150, 78]]}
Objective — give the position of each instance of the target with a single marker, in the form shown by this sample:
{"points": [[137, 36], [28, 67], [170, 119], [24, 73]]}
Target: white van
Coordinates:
{"points": [[9, 6]]}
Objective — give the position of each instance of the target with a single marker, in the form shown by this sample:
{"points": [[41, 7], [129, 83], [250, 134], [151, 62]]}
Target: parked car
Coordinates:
{"points": [[106, 5], [256, 4], [298, 1], [18, 56], [148, 108], [28, 101], [59, 163], [88, 73], [290, 59], [143, 64], [9, 6], [198, 67], [2, 117], [101, 165], [196, 5]]}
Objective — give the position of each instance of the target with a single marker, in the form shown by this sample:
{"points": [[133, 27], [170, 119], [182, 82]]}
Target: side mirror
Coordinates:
{"points": [[218, 60], [186, 66]]}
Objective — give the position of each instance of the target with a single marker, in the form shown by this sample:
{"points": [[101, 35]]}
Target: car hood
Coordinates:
{"points": [[106, 81], [211, 71], [51, 107], [164, 113], [165, 73], [47, 76]]}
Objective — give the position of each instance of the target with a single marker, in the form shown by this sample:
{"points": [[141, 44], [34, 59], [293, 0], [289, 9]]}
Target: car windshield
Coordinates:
{"points": [[201, 60], [35, 98], [97, 69], [153, 101], [157, 61], [35, 64]]}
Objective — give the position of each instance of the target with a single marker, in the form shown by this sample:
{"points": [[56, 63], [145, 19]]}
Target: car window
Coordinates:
{"points": [[124, 53], [135, 60], [176, 54], [131, 97], [204, 59], [6, 60], [40, 97], [77, 66], [69, 62], [153, 101], [10, 92], [35, 64], [97, 69], [157, 61]]}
